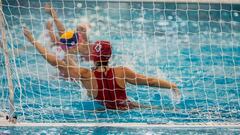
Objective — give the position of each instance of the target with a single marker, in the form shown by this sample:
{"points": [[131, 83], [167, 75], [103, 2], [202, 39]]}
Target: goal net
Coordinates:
{"points": [[196, 45]]}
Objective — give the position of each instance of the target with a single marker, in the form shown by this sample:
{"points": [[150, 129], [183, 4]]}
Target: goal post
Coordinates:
{"points": [[180, 1], [7, 66], [194, 43]]}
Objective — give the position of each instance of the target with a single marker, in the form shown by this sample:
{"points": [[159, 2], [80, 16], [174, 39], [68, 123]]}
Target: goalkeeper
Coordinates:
{"points": [[73, 41], [103, 83]]}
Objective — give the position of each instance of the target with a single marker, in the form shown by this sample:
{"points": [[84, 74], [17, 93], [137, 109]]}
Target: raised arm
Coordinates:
{"points": [[83, 28], [51, 58], [138, 79], [53, 37], [49, 9], [67, 65]]}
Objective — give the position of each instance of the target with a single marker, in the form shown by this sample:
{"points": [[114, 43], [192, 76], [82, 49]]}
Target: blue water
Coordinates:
{"points": [[117, 131], [195, 45]]}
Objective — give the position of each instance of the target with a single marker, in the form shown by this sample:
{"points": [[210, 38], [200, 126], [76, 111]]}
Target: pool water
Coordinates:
{"points": [[195, 45], [117, 131]]}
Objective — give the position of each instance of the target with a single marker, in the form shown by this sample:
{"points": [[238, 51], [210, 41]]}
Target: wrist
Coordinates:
{"points": [[174, 86]]}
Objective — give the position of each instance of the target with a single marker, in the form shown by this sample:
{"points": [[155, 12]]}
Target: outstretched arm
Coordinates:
{"points": [[138, 79], [49, 9], [82, 48], [68, 65], [83, 28], [53, 37], [52, 59]]}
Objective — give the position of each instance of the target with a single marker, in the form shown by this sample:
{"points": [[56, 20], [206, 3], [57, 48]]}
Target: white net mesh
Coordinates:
{"points": [[195, 45]]}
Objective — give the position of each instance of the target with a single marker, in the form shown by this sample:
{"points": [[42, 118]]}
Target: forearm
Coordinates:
{"points": [[138, 79], [52, 59], [69, 66], [161, 83], [54, 39], [58, 23], [49, 9]]}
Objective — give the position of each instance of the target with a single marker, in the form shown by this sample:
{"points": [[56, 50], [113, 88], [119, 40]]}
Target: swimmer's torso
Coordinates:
{"points": [[90, 83]]}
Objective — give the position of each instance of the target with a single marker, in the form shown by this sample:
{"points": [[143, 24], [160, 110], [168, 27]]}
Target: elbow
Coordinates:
{"points": [[152, 82]]}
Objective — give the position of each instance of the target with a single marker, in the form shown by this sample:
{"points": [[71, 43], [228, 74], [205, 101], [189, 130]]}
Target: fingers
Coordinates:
{"points": [[47, 7], [176, 97], [27, 33]]}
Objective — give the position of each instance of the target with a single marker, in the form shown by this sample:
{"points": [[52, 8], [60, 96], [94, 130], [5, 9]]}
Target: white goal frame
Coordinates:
{"points": [[4, 122]]}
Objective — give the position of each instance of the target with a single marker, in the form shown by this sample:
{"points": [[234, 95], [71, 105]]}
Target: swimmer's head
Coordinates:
{"points": [[101, 51], [69, 38]]}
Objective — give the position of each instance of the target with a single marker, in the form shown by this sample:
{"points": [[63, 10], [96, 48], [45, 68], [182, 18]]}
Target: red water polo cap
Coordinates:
{"points": [[101, 51]]}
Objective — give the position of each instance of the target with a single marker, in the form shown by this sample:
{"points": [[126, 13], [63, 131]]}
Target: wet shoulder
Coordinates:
{"points": [[119, 71]]}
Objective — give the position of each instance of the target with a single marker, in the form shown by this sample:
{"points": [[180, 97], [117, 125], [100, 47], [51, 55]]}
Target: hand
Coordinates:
{"points": [[81, 28], [28, 34], [49, 25], [176, 95], [48, 8], [176, 91], [84, 27]]}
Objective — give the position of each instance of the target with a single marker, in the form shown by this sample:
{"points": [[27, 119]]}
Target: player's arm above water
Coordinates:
{"points": [[45, 53], [83, 29], [53, 37], [68, 65], [49, 9], [82, 48], [138, 79]]}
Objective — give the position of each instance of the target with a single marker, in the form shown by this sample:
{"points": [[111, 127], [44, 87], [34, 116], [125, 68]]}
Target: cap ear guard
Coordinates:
{"points": [[69, 38]]}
